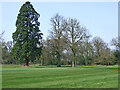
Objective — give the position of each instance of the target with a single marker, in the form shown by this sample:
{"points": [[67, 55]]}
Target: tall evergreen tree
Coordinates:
{"points": [[27, 37]]}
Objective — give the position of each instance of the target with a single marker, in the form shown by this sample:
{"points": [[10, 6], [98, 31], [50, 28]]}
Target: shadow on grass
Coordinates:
{"points": [[45, 66], [51, 66], [39, 67], [101, 67], [66, 66], [89, 67]]}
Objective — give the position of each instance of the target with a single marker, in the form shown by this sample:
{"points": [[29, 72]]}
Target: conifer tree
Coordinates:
{"points": [[27, 37]]}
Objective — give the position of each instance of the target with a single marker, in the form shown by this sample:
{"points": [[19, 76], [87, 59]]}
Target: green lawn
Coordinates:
{"points": [[18, 76]]}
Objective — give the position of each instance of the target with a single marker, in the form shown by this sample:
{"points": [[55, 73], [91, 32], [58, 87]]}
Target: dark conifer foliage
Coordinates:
{"points": [[27, 37]]}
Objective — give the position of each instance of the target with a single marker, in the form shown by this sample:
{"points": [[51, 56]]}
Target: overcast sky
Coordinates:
{"points": [[100, 18]]}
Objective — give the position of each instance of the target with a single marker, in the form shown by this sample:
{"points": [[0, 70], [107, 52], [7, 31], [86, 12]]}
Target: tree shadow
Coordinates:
{"points": [[66, 66]]}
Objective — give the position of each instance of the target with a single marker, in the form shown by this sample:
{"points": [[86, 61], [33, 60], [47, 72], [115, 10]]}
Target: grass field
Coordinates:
{"points": [[18, 76]]}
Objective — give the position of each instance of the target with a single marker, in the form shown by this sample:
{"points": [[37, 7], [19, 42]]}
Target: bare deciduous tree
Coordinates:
{"points": [[74, 33], [57, 33], [98, 45]]}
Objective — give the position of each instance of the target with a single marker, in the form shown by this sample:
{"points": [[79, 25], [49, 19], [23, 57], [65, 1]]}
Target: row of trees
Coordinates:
{"points": [[69, 43], [87, 53]]}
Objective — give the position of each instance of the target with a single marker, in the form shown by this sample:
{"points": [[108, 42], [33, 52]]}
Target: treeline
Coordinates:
{"points": [[69, 43]]}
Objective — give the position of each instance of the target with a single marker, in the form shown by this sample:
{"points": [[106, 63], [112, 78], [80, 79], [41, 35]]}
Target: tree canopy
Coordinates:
{"points": [[27, 37]]}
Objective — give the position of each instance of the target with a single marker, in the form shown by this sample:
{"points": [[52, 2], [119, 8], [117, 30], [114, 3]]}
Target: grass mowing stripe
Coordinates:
{"points": [[60, 77]]}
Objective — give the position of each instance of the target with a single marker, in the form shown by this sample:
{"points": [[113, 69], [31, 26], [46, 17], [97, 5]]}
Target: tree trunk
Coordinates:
{"points": [[27, 61], [59, 58], [41, 63], [74, 60], [73, 63]]}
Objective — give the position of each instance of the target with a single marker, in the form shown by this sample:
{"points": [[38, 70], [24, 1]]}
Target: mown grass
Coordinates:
{"points": [[18, 76]]}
